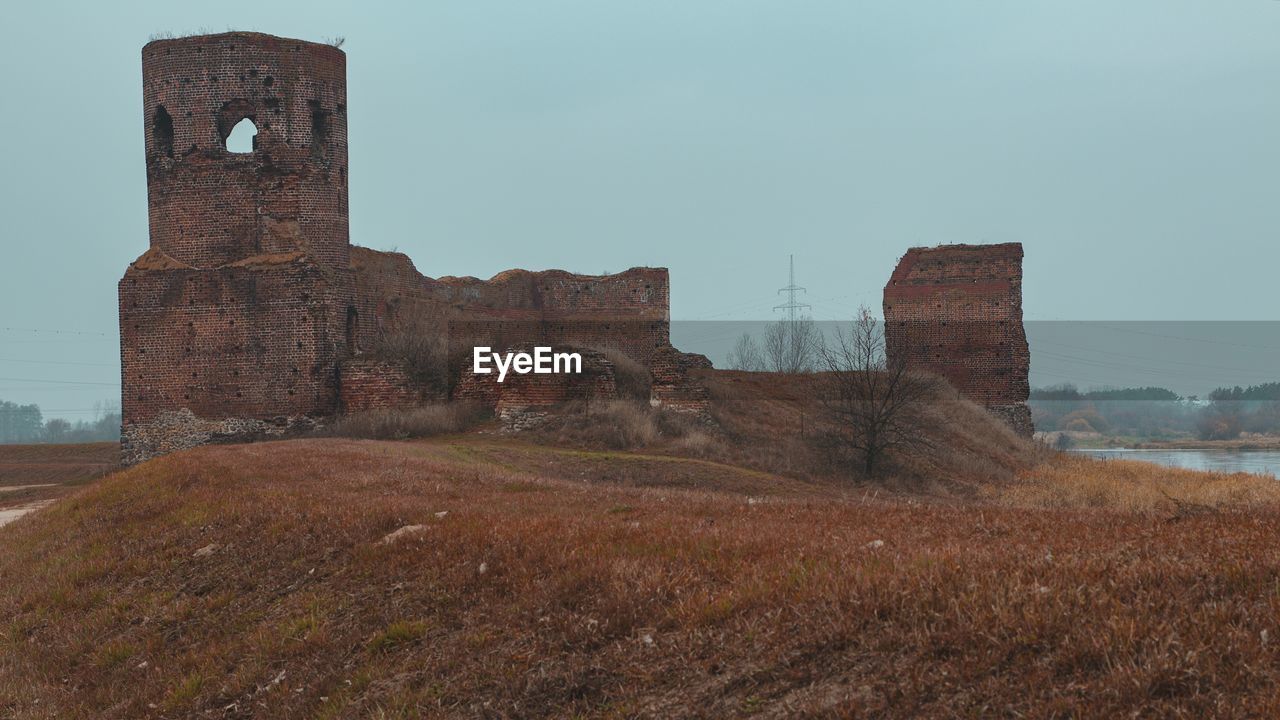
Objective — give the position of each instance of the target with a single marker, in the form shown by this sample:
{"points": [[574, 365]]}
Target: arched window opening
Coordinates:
{"points": [[162, 130], [243, 137]]}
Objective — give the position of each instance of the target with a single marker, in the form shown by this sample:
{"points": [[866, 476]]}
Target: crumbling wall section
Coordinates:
{"points": [[627, 311], [676, 385], [374, 384], [523, 401], [956, 310]]}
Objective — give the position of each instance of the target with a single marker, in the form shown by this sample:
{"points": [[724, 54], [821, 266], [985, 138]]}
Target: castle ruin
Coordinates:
{"points": [[251, 314], [956, 310]]}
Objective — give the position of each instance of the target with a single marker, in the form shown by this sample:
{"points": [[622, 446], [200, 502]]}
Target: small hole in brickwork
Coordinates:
{"points": [[239, 394], [243, 137], [268, 81], [290, 392]]}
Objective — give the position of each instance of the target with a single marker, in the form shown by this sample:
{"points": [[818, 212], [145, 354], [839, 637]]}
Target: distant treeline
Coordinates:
{"points": [[26, 424], [1266, 391], [1069, 392], [1155, 412]]}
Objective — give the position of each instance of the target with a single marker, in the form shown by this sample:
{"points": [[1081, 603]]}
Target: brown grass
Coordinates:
{"points": [[615, 425], [251, 581], [768, 422], [1075, 481], [406, 423], [30, 473]]}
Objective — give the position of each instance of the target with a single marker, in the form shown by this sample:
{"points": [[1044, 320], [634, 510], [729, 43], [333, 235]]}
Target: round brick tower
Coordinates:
{"points": [[211, 207]]}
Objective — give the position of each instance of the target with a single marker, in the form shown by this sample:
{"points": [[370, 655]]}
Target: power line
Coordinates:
{"points": [[59, 382], [52, 331], [59, 362]]}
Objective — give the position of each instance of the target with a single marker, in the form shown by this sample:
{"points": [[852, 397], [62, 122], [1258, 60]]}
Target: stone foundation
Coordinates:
{"points": [[178, 430]]}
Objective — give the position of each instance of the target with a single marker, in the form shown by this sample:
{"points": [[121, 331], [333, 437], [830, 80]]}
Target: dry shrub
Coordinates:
{"points": [[773, 422], [632, 378], [1076, 481], [416, 339], [613, 424], [1085, 419], [403, 423]]}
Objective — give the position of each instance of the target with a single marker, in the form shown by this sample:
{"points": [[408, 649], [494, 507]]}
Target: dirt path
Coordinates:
{"points": [[8, 515]]}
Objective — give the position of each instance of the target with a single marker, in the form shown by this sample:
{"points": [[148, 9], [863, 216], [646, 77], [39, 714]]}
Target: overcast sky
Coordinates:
{"points": [[1132, 146]]}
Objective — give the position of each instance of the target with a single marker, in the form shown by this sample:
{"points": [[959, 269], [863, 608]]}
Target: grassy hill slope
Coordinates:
{"points": [[279, 580]]}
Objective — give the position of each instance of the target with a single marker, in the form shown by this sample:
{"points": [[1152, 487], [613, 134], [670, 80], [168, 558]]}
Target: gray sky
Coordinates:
{"points": [[1133, 147]]}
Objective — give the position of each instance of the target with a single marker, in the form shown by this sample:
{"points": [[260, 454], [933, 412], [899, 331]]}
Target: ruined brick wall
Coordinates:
{"points": [[676, 385], [627, 311], [956, 310], [522, 401], [237, 315], [371, 384]]}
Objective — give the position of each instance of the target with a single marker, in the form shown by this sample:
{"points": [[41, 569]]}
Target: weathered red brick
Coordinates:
{"points": [[956, 310]]}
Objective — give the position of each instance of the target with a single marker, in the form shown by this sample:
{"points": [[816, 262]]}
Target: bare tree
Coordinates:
{"points": [[874, 406], [792, 346], [745, 355]]}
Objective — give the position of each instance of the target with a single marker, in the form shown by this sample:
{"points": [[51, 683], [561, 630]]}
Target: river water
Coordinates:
{"points": [[1262, 462]]}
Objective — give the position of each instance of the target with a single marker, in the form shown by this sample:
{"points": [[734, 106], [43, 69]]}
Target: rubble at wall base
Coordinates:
{"points": [[180, 429]]}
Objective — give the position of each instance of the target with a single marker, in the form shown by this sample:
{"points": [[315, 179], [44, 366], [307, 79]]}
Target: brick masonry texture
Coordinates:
{"points": [[627, 311], [375, 384], [676, 386], [956, 310], [521, 401], [209, 207], [252, 315]]}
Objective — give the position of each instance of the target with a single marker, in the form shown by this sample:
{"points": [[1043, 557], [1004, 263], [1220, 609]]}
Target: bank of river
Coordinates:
{"points": [[1262, 462]]}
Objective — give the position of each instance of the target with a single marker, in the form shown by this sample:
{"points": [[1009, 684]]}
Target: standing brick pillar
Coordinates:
{"points": [[234, 321], [956, 310]]}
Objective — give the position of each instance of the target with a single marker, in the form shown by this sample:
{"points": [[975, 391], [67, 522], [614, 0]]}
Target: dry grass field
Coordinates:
{"points": [[478, 575], [33, 475]]}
